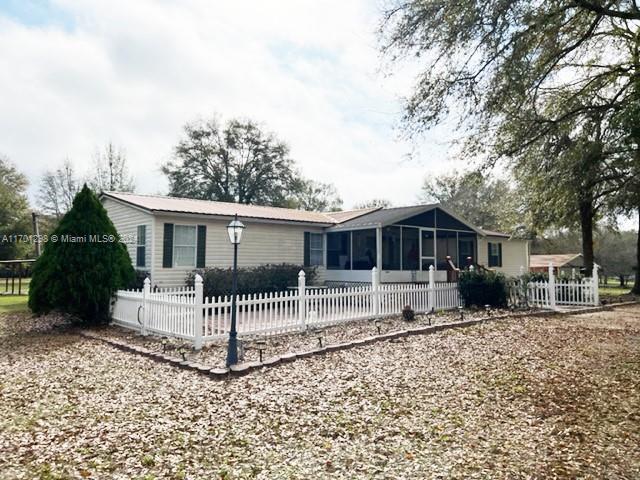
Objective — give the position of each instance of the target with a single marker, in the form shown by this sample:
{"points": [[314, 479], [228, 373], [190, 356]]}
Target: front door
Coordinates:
{"points": [[427, 248]]}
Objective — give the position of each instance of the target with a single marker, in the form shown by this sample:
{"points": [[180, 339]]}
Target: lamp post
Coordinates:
{"points": [[234, 229]]}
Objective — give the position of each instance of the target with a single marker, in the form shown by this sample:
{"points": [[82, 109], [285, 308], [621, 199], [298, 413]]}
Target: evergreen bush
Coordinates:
{"points": [[78, 273], [263, 278], [479, 288]]}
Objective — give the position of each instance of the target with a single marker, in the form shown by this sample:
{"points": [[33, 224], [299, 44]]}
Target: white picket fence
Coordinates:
{"points": [[556, 292], [177, 312]]}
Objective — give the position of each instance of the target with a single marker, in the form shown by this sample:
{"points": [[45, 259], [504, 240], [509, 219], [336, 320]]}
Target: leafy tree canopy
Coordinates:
{"points": [[79, 277], [239, 162], [486, 202], [14, 211]]}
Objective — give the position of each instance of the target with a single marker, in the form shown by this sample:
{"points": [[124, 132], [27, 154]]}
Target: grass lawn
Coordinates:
{"points": [[13, 303], [553, 397], [614, 289]]}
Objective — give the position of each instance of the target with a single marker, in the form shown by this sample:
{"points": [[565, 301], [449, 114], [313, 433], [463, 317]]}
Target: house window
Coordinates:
{"points": [[141, 245], [184, 246], [495, 254], [315, 249], [339, 251]]}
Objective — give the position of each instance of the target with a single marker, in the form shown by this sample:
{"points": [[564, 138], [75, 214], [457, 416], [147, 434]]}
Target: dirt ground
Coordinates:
{"points": [[555, 397]]}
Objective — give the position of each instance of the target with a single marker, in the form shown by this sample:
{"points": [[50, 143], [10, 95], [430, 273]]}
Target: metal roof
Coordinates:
{"points": [[157, 203], [558, 260], [344, 220]]}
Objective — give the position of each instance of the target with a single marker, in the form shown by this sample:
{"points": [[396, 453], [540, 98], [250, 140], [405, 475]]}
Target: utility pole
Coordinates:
{"points": [[36, 232]]}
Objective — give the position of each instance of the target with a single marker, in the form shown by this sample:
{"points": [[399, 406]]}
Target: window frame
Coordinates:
{"points": [[195, 246], [141, 260], [316, 249], [497, 256]]}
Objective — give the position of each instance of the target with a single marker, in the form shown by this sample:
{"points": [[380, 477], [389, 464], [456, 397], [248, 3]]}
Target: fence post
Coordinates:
{"points": [[302, 299], [146, 293], [375, 292], [197, 312], [595, 284], [431, 297], [552, 287]]}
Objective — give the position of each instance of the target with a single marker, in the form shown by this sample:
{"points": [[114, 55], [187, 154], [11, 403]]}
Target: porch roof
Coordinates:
{"points": [[388, 216]]}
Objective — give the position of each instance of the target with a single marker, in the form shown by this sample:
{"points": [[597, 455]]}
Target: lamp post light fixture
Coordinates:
{"points": [[234, 229]]}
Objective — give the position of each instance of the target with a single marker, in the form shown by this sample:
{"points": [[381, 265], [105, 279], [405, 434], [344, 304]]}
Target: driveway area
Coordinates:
{"points": [[555, 397]]}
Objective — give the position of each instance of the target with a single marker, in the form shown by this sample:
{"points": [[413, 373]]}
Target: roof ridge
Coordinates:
{"points": [[213, 201]]}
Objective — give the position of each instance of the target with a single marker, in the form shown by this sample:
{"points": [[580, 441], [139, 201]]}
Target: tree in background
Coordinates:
{"points": [[373, 203], [15, 218], [314, 196], [110, 171], [616, 254], [238, 162], [57, 190], [487, 202], [80, 278], [614, 251], [518, 72]]}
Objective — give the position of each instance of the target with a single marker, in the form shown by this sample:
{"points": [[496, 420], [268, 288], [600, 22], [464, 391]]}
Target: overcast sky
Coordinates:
{"points": [[75, 75]]}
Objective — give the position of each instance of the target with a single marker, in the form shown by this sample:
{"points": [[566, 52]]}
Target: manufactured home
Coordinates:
{"points": [[169, 237]]}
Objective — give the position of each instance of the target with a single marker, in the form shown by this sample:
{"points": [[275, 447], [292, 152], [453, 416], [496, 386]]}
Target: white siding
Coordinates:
{"points": [[515, 253], [262, 243], [126, 219]]}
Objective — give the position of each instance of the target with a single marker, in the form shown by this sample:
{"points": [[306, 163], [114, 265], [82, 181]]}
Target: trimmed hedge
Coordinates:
{"points": [[264, 278], [483, 288]]}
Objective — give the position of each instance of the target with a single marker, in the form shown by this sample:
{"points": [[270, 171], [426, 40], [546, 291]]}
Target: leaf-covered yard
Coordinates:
{"points": [[534, 398]]}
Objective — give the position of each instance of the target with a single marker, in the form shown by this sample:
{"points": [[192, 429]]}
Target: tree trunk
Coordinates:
{"points": [[621, 278], [636, 283], [586, 227]]}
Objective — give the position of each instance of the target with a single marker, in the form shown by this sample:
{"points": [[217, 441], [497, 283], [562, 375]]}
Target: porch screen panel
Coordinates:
{"points": [[339, 251], [410, 248], [466, 248], [391, 248], [364, 249], [446, 245]]}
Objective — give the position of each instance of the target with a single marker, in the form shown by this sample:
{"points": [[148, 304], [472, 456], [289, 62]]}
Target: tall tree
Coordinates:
{"points": [[236, 162], [314, 196], [487, 202], [528, 68], [239, 162], [110, 171], [14, 211], [58, 189]]}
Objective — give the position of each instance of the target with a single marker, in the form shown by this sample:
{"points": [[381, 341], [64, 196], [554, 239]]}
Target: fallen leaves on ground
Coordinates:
{"points": [[550, 397]]}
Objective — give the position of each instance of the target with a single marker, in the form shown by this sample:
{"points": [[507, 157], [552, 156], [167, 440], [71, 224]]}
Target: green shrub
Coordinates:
{"points": [[483, 288], [264, 278], [80, 277]]}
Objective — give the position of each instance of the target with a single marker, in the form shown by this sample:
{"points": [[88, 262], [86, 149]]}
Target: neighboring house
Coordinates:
{"points": [[169, 237], [563, 263]]}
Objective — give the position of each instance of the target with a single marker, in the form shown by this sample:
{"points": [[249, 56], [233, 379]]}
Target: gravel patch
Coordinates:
{"points": [[553, 397]]}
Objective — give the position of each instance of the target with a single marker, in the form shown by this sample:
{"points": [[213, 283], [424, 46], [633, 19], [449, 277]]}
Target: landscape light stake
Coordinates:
{"points": [[234, 229], [164, 345], [461, 311], [488, 309], [378, 325], [261, 346]]}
